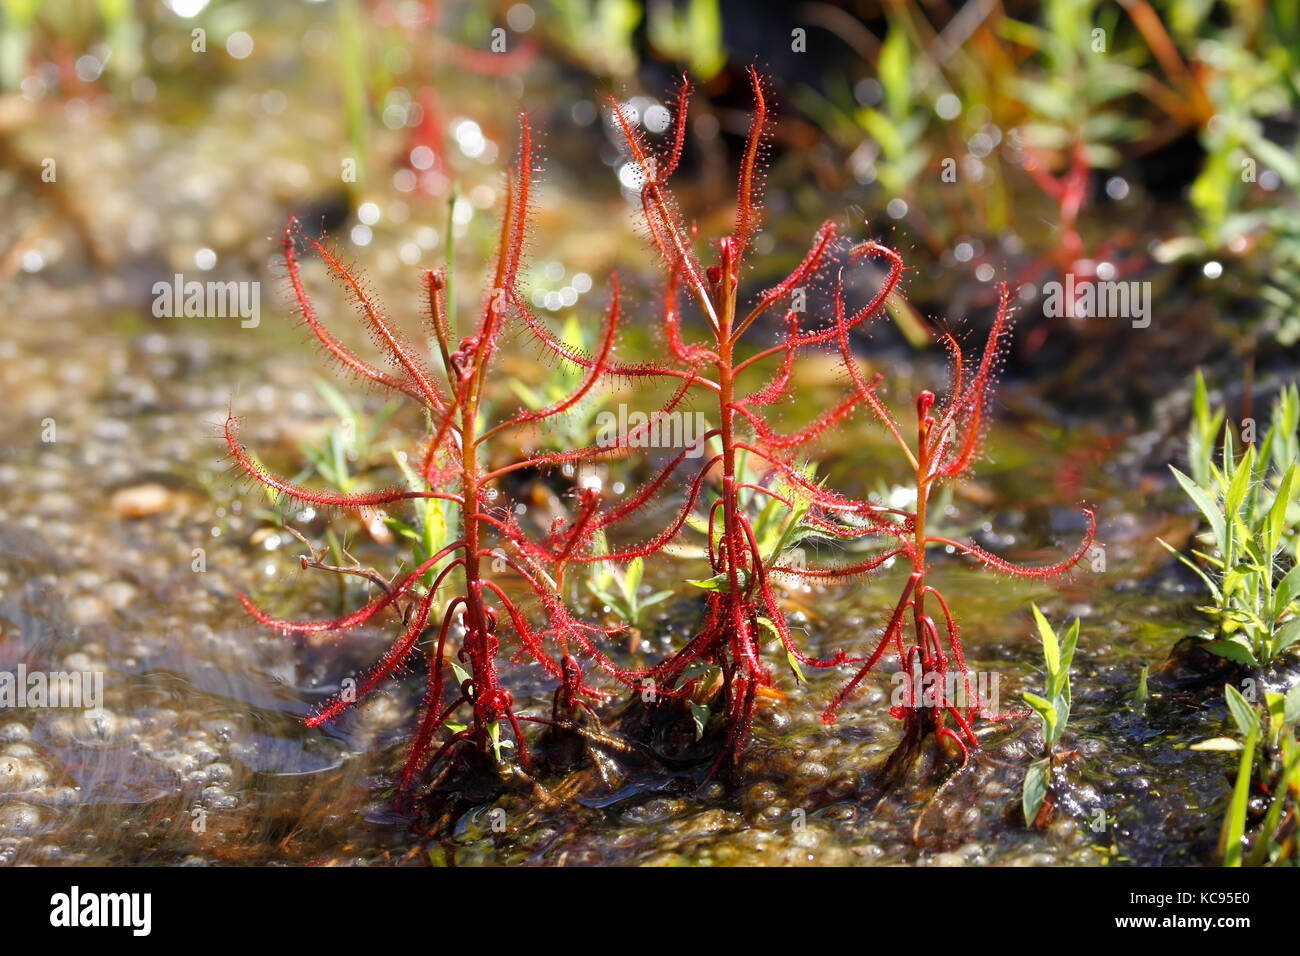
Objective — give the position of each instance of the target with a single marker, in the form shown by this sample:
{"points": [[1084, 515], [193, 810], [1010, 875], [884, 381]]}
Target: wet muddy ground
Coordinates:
{"points": [[200, 753]]}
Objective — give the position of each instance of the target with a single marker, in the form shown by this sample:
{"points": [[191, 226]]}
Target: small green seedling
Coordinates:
{"points": [[1053, 710]]}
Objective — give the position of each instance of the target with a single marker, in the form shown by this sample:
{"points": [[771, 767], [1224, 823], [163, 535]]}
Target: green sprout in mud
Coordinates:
{"points": [[1053, 710], [1251, 503], [620, 590]]}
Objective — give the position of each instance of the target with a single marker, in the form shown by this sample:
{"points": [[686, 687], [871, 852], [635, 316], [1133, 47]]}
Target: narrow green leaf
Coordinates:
{"points": [[1234, 825], [1051, 650], [1034, 791], [1277, 514], [1243, 714], [1141, 693], [700, 714], [1047, 714], [1207, 506]]}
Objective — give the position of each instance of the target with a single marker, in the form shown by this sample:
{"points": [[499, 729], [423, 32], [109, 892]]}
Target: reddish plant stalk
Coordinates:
{"points": [[452, 469], [946, 446], [744, 604]]}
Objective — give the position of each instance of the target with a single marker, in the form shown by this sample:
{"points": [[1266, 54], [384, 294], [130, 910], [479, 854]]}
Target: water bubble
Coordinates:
{"points": [[187, 8], [630, 176], [1117, 187], [33, 87], [981, 144], [394, 116], [239, 44], [88, 67], [657, 118], [422, 157], [368, 212], [520, 18], [582, 282], [868, 92], [1213, 269], [984, 272], [274, 102], [205, 259], [897, 208], [469, 136], [947, 106], [361, 235]]}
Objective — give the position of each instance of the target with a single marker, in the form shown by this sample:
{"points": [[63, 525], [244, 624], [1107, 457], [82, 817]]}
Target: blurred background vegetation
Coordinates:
{"points": [[989, 139]]}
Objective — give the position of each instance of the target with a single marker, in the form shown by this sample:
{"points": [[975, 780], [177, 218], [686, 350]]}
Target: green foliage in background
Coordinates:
{"points": [[1251, 503]]}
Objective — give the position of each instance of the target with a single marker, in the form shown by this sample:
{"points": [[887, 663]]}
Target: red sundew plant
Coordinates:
{"points": [[741, 605], [947, 443], [455, 467]]}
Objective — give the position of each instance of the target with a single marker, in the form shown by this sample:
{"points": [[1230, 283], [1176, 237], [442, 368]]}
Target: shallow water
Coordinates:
{"points": [[124, 539], [200, 753]]}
